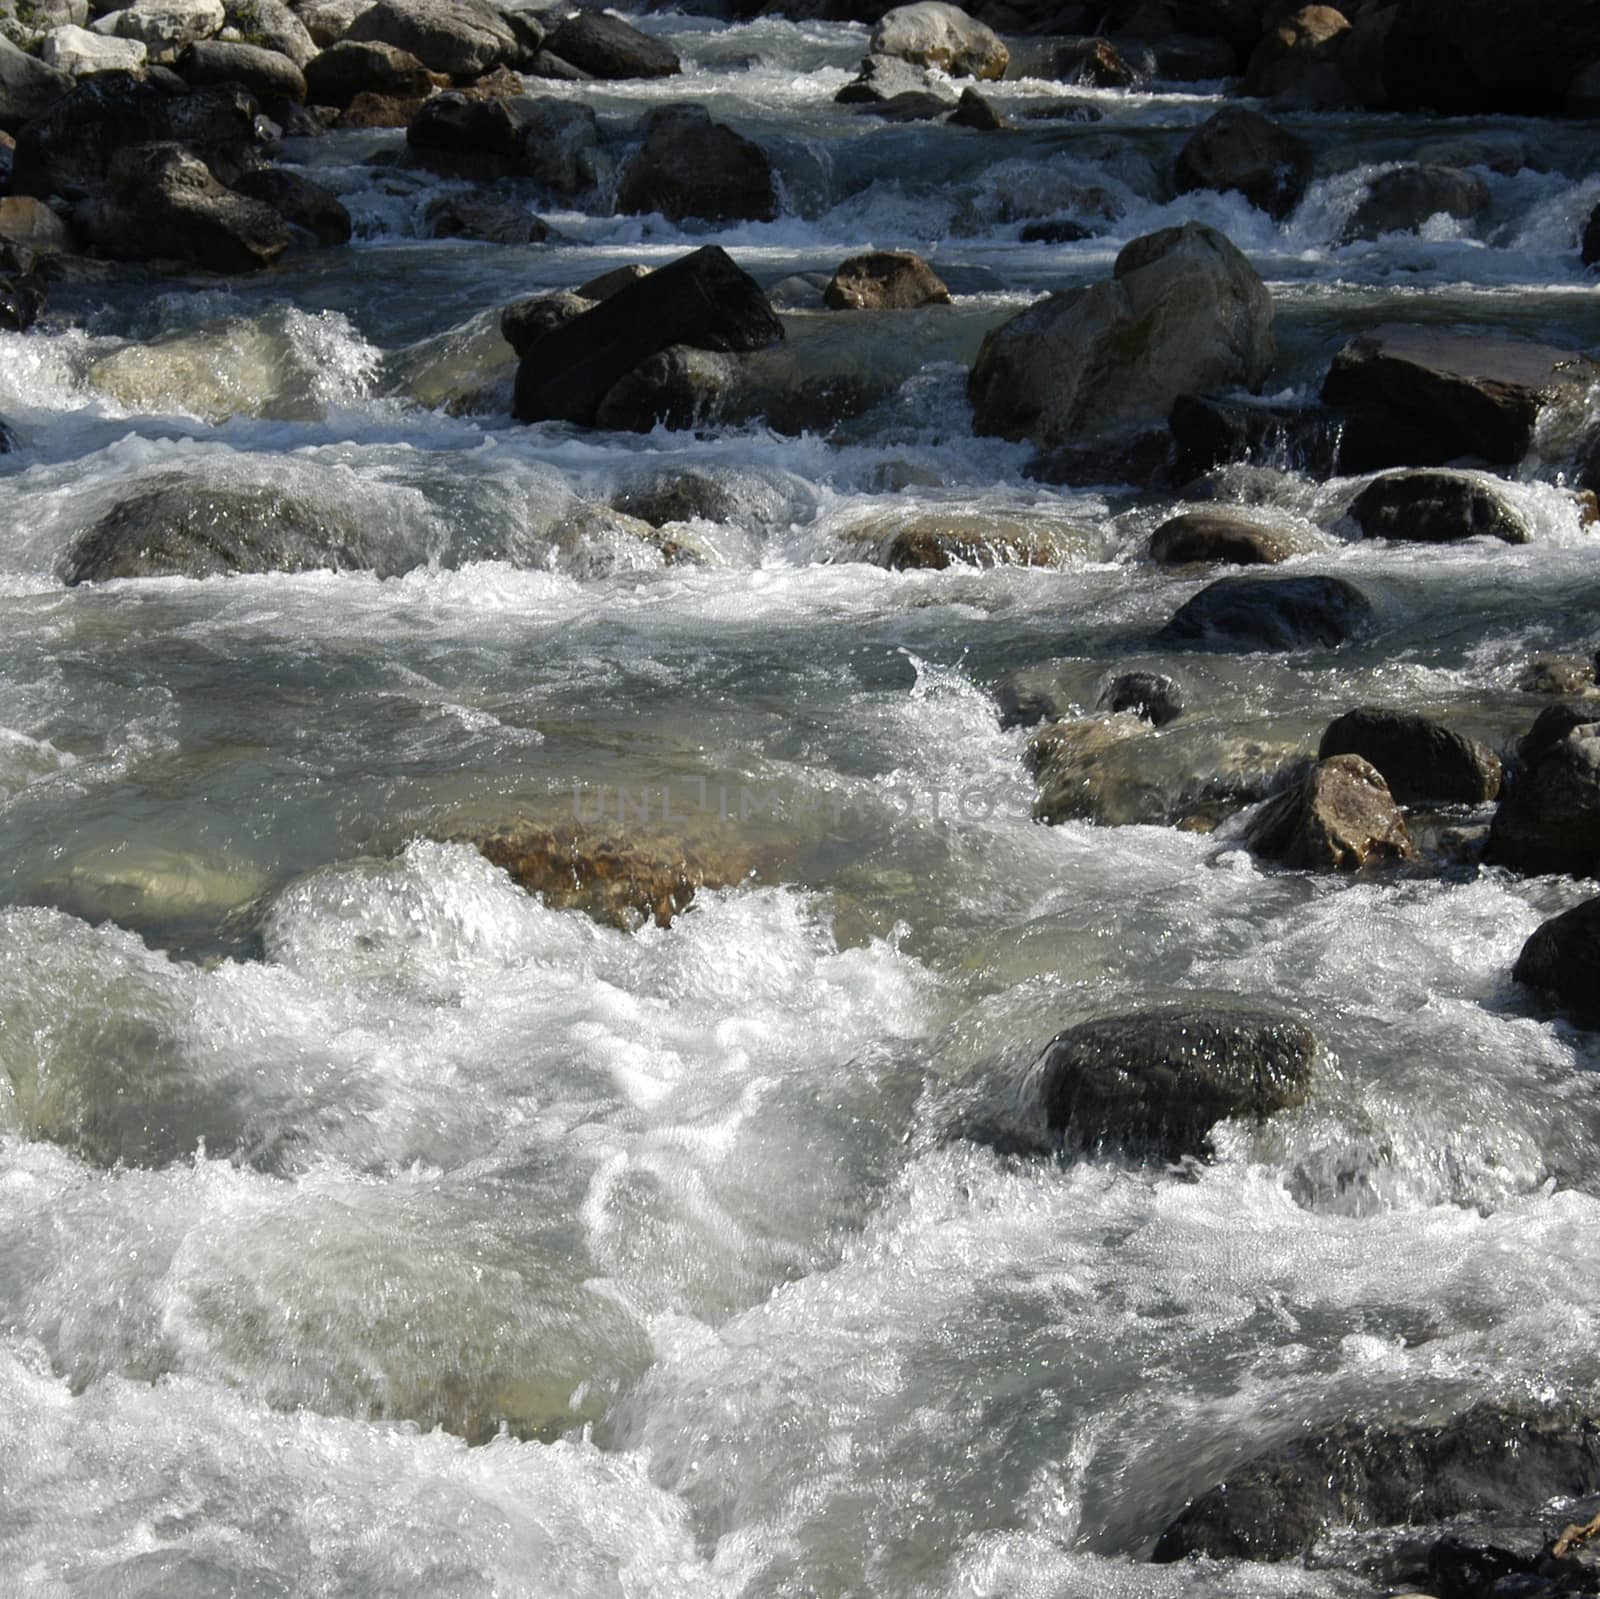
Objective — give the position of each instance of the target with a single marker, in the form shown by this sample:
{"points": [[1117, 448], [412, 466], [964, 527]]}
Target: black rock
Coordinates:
{"points": [[690, 166], [1156, 1082], [1435, 507], [1239, 149], [462, 135], [1422, 761], [1552, 725], [1591, 239], [299, 201], [1402, 200], [702, 300], [1549, 819], [1278, 613], [1150, 695], [457, 216], [1365, 1474], [1562, 959], [973, 111], [338, 74], [524, 323], [607, 47], [1054, 232]]}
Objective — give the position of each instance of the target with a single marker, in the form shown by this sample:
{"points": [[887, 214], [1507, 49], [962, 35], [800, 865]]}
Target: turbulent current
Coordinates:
{"points": [[371, 1226]]}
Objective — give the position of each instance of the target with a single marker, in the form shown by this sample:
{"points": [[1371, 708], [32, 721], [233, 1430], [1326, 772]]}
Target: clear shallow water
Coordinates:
{"points": [[326, 1154]]}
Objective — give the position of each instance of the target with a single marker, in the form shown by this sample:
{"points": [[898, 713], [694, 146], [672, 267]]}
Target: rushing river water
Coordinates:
{"points": [[368, 1227]]}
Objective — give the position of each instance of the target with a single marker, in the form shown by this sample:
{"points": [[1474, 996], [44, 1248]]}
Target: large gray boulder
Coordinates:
{"points": [[273, 26], [1184, 313], [165, 27], [268, 75], [464, 38], [161, 201], [28, 88], [932, 34]]}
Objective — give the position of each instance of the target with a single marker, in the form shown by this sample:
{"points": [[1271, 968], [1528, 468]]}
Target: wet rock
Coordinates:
{"points": [[612, 282], [690, 166], [1242, 151], [1185, 311], [300, 202], [161, 201], [620, 882], [1552, 674], [1342, 817], [524, 322], [165, 27], [1402, 200], [1151, 696], [605, 46], [885, 77], [680, 387], [973, 111], [1455, 393], [461, 135], [1366, 1474], [273, 26], [561, 147], [1304, 44], [22, 290], [702, 300], [929, 106], [1423, 761], [884, 280], [933, 34], [1590, 247], [1562, 959], [1097, 63], [32, 225], [369, 110], [1431, 506], [455, 216], [266, 74], [186, 528], [28, 88], [1216, 536], [1549, 819], [354, 66], [82, 54], [1552, 724], [933, 542], [677, 497], [1278, 613], [69, 150], [1212, 431], [1061, 231], [464, 38], [1156, 1082]]}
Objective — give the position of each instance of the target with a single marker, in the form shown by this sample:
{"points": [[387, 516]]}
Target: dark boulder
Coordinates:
{"points": [[1156, 1082], [1591, 239], [1402, 200], [1455, 393], [1297, 58], [524, 323], [464, 38], [299, 201], [1151, 696], [690, 166], [22, 289], [561, 146], [70, 149], [186, 528], [1097, 63], [702, 300], [370, 110], [28, 88], [1341, 817], [1422, 761], [464, 135], [677, 497], [923, 106], [1215, 536], [1553, 724], [1239, 149], [1277, 613], [1054, 231], [459, 216], [884, 280], [268, 75], [679, 387], [356, 66], [1278, 1505], [973, 111], [607, 47], [1562, 959], [1435, 507], [161, 201], [8, 440], [1549, 819]]}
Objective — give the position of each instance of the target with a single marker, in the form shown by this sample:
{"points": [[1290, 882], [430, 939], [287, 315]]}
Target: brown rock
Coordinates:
{"points": [[1340, 818], [1215, 536], [1290, 52], [885, 280]]}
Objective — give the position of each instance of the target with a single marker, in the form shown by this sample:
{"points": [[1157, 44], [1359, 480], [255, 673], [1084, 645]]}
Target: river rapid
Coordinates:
{"points": [[368, 1227]]}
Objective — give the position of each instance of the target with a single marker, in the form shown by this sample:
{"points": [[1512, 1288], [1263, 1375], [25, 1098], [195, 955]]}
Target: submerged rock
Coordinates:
{"points": [[1402, 200], [1152, 696], [186, 528], [1341, 817], [1278, 613], [1435, 507], [930, 33], [1549, 819], [690, 166], [1216, 536], [884, 280], [1156, 1082], [1278, 1505], [701, 300], [457, 216], [1243, 151], [1451, 394], [1562, 959], [1093, 61], [1184, 312], [1423, 761], [884, 78], [933, 541]]}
